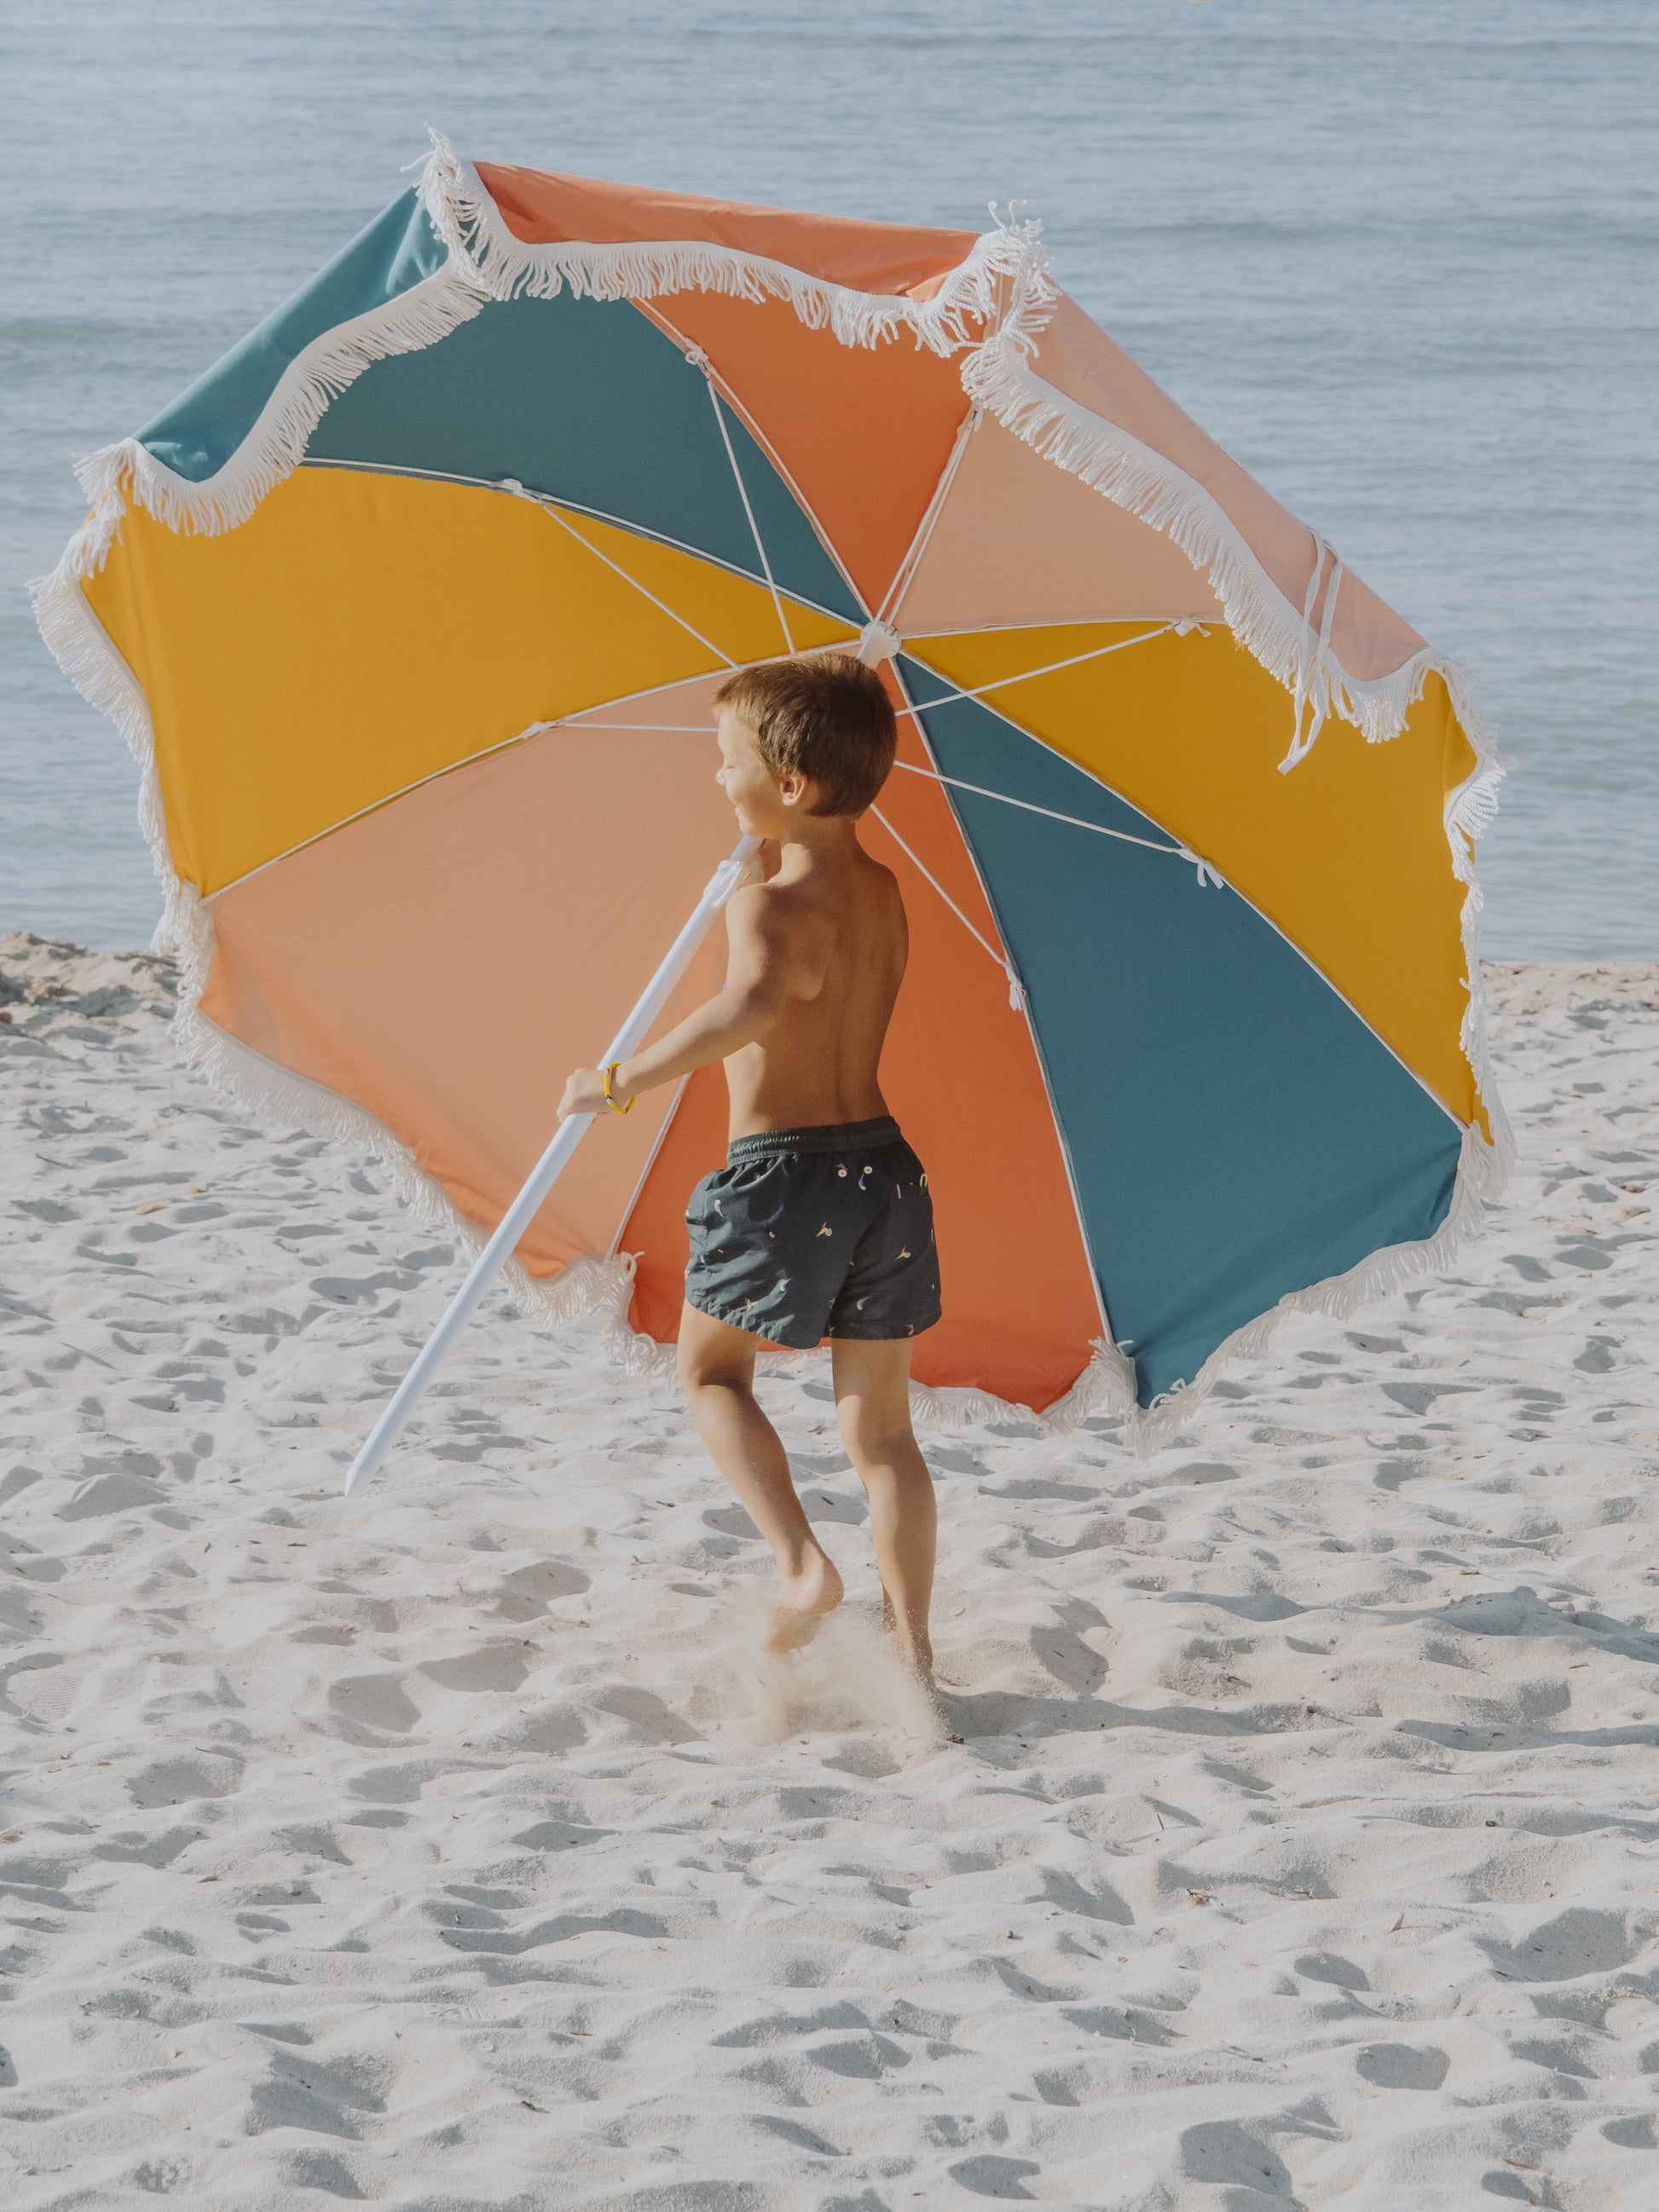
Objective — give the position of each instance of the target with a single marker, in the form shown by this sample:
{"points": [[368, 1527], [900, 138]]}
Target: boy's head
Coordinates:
{"points": [[813, 736]]}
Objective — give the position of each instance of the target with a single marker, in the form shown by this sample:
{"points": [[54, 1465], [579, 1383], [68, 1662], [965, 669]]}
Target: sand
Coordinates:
{"points": [[1292, 1839]]}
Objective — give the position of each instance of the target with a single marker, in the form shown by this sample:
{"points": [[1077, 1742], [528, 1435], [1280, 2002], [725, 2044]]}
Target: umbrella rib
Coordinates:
{"points": [[597, 514], [1016, 989], [691, 629], [652, 310], [1206, 871], [1076, 821], [1023, 675], [950, 698], [742, 494], [925, 739], [570, 721], [906, 575]]}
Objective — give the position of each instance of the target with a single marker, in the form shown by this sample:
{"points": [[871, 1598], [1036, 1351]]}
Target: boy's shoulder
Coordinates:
{"points": [[771, 908], [777, 901]]}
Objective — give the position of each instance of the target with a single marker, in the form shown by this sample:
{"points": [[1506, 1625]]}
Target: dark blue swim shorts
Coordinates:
{"points": [[808, 1233]]}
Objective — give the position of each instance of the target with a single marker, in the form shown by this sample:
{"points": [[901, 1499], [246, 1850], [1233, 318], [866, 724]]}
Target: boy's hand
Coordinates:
{"points": [[584, 1094]]}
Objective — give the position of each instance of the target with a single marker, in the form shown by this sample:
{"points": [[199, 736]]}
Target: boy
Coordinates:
{"points": [[820, 1223]]}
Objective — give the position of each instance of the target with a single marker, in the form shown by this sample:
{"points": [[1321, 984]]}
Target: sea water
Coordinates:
{"points": [[1398, 256]]}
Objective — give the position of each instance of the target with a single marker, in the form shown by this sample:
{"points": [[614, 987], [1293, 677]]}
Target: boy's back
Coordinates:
{"points": [[827, 931]]}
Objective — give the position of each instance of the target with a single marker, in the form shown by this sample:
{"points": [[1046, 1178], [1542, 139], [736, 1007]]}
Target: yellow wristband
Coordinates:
{"points": [[608, 1072]]}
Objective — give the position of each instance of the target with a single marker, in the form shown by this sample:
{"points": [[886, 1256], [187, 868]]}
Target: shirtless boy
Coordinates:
{"points": [[820, 1223]]}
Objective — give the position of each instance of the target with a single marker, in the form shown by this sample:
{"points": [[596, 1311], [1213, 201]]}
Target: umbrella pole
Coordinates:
{"points": [[570, 1133]]}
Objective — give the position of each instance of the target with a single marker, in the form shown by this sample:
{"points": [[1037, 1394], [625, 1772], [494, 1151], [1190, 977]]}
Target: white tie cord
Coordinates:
{"points": [[1316, 664]]}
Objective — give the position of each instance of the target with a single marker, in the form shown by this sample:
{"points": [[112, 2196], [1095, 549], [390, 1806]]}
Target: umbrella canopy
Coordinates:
{"points": [[413, 607]]}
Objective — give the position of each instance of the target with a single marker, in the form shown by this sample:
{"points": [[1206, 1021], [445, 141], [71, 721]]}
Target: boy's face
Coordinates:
{"points": [[766, 805]]}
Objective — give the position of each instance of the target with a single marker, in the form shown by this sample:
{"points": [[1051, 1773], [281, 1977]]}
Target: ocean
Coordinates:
{"points": [[1399, 258]]}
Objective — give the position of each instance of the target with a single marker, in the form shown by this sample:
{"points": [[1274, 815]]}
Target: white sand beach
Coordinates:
{"points": [[1291, 1841]]}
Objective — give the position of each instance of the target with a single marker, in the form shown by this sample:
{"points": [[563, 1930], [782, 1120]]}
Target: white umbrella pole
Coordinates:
{"points": [[570, 1133]]}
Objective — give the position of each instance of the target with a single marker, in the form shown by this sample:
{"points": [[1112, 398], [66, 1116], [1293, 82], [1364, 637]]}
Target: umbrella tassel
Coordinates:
{"points": [[274, 445], [1000, 377], [1312, 673], [466, 217]]}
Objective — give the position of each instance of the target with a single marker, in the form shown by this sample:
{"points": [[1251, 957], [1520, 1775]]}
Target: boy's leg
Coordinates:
{"points": [[717, 1373], [873, 1404]]}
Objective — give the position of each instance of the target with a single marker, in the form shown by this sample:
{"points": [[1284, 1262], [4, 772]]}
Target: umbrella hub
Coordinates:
{"points": [[877, 641]]}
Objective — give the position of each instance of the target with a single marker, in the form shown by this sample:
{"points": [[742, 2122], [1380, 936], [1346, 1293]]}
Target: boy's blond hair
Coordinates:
{"points": [[826, 715]]}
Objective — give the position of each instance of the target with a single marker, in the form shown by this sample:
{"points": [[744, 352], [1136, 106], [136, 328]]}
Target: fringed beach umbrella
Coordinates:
{"points": [[412, 608]]}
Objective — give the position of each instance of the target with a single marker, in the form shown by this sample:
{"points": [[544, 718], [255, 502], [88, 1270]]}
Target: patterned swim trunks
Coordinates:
{"points": [[808, 1233]]}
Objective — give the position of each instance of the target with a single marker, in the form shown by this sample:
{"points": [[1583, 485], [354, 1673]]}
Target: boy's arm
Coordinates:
{"points": [[761, 979]]}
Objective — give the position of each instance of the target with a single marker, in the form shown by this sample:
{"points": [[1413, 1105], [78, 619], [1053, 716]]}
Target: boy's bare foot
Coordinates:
{"points": [[803, 1599]]}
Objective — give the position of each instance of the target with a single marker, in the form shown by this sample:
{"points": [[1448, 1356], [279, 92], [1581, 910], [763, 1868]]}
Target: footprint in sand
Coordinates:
{"points": [[377, 1702], [1574, 1944], [492, 1667], [1401, 2066], [1222, 2153], [326, 2097], [177, 1781]]}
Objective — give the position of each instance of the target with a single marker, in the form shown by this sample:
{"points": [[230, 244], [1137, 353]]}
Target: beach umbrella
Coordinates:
{"points": [[412, 608]]}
